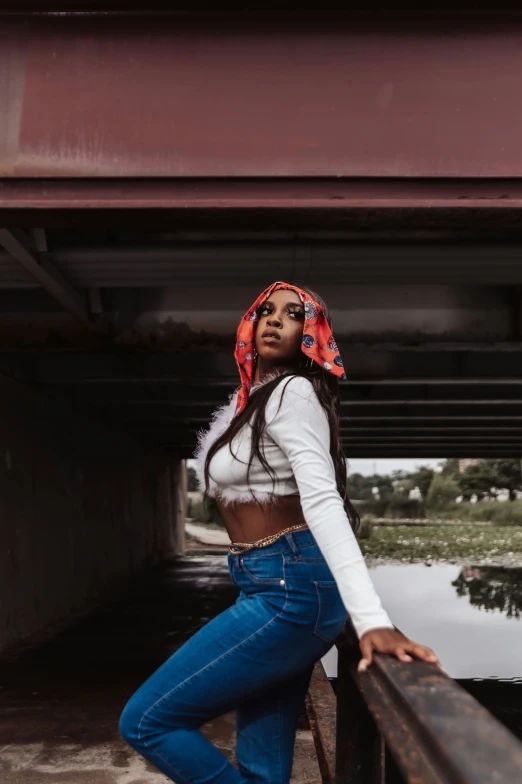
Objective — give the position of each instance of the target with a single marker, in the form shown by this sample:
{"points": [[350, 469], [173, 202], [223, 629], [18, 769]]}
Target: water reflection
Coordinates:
{"points": [[483, 650], [492, 588], [440, 607]]}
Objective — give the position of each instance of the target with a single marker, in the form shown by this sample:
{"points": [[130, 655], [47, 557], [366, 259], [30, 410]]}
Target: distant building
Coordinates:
{"points": [[465, 462], [415, 494]]}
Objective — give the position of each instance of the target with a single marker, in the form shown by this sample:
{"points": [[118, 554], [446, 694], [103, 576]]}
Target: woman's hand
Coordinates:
{"points": [[392, 641]]}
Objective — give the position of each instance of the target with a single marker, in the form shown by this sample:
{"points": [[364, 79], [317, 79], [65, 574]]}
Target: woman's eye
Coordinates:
{"points": [[265, 311], [296, 314]]}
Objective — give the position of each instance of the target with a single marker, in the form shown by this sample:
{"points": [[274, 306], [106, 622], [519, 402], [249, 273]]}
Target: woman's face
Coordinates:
{"points": [[279, 330]]}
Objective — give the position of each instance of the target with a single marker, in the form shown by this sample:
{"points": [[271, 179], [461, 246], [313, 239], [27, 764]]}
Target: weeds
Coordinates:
{"points": [[432, 542]]}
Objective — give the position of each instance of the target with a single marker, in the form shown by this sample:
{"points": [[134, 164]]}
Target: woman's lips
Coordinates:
{"points": [[270, 335]]}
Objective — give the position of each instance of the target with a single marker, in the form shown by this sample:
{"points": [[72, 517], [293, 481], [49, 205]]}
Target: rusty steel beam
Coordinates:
{"points": [[20, 247], [436, 731], [321, 709]]}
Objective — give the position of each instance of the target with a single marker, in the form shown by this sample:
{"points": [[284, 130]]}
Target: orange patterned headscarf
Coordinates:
{"points": [[318, 342]]}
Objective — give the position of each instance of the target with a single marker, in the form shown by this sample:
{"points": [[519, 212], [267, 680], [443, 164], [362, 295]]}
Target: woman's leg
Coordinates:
{"points": [[162, 719], [237, 655], [286, 618], [266, 728]]}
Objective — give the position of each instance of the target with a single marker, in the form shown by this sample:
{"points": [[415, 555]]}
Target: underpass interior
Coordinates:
{"points": [[115, 347], [429, 330]]}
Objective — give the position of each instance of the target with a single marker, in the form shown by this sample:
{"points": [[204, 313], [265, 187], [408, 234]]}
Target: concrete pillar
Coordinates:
{"points": [[180, 508], [174, 496]]}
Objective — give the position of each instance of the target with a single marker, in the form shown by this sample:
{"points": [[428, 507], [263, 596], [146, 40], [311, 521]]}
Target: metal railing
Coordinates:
{"points": [[402, 723]]}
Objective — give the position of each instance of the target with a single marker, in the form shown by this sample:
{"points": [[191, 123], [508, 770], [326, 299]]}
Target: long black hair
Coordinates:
{"points": [[326, 387]]}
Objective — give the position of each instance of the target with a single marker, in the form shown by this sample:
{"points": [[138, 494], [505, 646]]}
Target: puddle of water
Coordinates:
{"points": [[470, 616]]}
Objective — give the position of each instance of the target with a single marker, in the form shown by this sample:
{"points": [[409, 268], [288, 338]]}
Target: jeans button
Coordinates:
{"points": [[281, 582]]}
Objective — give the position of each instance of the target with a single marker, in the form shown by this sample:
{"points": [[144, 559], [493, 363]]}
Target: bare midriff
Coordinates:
{"points": [[248, 522]]}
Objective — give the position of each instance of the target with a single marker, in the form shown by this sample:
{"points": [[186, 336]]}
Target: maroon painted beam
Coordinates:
{"points": [[334, 195], [133, 96]]}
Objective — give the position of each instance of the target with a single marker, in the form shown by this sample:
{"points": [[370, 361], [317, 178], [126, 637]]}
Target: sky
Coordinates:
{"points": [[368, 466]]}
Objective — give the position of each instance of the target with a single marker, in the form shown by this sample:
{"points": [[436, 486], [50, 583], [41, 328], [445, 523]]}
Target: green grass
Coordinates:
{"points": [[498, 513], [432, 542]]}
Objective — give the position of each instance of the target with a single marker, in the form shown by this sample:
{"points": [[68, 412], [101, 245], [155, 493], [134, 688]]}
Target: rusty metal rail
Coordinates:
{"points": [[405, 723], [321, 708]]}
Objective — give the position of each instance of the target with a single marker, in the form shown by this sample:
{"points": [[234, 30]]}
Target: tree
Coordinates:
{"points": [[192, 479], [492, 588], [479, 479], [403, 486], [360, 487], [443, 492], [422, 478], [450, 467], [384, 484], [508, 472], [357, 487], [399, 475]]}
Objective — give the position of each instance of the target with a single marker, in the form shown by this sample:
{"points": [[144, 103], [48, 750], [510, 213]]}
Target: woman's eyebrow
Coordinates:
{"points": [[290, 304]]}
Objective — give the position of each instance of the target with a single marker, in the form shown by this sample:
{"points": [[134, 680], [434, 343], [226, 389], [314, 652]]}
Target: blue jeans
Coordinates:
{"points": [[256, 658]]}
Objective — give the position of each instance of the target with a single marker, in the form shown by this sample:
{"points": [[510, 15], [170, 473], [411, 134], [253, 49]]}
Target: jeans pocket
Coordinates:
{"points": [[331, 612], [267, 570]]}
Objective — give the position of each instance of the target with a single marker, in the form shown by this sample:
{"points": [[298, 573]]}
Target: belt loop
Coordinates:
{"points": [[293, 544]]}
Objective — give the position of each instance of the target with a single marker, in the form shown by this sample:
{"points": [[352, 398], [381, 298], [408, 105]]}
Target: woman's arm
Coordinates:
{"points": [[298, 424]]}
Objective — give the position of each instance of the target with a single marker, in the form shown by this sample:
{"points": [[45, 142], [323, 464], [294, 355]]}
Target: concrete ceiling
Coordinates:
{"points": [[138, 327]]}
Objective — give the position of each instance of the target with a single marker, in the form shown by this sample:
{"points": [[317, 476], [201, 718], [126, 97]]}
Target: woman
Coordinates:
{"points": [[274, 462]]}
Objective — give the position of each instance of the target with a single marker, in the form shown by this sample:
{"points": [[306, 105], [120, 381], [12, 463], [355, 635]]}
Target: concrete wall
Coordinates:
{"points": [[82, 509]]}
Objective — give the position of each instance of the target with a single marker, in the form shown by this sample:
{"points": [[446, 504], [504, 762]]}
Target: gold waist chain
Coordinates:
{"points": [[244, 546]]}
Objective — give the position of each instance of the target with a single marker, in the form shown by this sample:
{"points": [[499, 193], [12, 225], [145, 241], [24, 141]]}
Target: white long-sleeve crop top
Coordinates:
{"points": [[296, 444]]}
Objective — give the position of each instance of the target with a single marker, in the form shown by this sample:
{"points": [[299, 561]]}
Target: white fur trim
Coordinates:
{"points": [[228, 496], [221, 418]]}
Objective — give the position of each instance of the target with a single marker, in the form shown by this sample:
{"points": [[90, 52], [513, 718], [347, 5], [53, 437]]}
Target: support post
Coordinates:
{"points": [[360, 750]]}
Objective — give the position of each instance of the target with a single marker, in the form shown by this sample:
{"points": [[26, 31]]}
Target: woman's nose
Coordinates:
{"points": [[274, 321]]}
